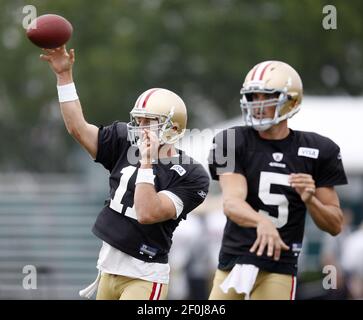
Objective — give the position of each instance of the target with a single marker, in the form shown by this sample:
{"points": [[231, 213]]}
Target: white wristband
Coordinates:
{"points": [[67, 92], [145, 176]]}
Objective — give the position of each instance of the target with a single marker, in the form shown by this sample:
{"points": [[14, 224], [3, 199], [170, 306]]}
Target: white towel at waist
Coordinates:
{"points": [[91, 289], [242, 278]]}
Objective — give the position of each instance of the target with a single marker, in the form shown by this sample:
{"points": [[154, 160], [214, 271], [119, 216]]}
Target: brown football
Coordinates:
{"points": [[49, 31]]}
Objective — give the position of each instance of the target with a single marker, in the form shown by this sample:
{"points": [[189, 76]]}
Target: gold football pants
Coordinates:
{"points": [[116, 287], [268, 286]]}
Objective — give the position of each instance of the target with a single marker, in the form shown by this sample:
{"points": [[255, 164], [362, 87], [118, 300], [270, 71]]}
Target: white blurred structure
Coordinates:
{"points": [[340, 119], [352, 263]]}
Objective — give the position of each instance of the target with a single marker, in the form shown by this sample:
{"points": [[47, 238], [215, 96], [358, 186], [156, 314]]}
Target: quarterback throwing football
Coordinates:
{"points": [[277, 175], [153, 185]]}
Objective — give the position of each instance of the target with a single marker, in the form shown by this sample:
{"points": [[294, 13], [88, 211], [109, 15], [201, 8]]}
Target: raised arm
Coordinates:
{"points": [[61, 62]]}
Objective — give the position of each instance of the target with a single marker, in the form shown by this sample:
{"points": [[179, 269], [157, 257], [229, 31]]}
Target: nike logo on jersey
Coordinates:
{"points": [[308, 152], [179, 169]]}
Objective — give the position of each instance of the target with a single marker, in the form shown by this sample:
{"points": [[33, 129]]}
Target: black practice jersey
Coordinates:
{"points": [[267, 164], [117, 223]]}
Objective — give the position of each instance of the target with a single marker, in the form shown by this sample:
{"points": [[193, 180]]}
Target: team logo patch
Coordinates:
{"points": [[308, 152], [179, 169], [277, 156]]}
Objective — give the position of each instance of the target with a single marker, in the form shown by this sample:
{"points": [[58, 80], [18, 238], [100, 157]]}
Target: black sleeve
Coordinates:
{"points": [[111, 140], [192, 190], [330, 170], [226, 154]]}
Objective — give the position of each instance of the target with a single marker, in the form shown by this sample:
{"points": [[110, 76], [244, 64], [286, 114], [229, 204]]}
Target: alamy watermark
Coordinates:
{"points": [[30, 12], [330, 19], [30, 280], [214, 146], [330, 280]]}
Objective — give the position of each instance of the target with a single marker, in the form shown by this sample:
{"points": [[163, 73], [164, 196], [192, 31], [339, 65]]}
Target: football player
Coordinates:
{"points": [[271, 177], [153, 185]]}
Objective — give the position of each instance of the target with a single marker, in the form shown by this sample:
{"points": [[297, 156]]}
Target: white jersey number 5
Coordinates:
{"points": [[268, 198]]}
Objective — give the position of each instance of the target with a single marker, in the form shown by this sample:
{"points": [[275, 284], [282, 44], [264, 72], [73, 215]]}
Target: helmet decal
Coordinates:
{"points": [[260, 70], [148, 97]]}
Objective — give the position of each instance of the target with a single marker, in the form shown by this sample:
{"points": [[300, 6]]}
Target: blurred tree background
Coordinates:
{"points": [[199, 49]]}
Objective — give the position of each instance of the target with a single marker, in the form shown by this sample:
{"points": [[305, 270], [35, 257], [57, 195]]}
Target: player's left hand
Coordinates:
{"points": [[149, 147], [304, 185]]}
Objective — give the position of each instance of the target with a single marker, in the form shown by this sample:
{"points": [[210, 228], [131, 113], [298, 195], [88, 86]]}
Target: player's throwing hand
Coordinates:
{"points": [[59, 59]]}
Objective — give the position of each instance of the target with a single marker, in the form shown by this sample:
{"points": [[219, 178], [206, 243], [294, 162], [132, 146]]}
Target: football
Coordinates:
{"points": [[49, 31]]}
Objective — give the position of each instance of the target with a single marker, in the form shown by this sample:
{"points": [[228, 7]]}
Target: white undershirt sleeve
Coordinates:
{"points": [[178, 203]]}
